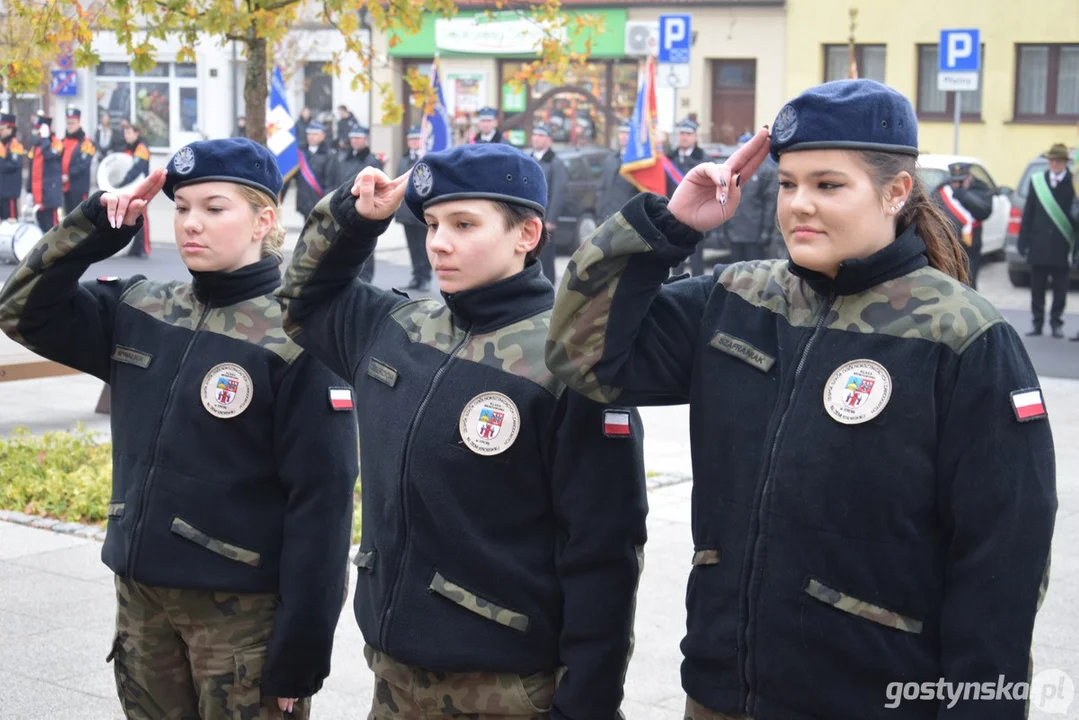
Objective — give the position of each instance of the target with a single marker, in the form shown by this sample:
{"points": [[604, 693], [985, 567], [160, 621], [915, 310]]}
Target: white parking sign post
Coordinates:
{"points": [[959, 60]]}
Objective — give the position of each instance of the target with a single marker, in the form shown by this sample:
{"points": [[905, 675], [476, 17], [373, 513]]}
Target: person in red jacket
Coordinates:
{"points": [[44, 181], [79, 153]]}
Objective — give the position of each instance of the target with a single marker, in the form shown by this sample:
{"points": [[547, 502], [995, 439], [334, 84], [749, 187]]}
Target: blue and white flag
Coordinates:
{"points": [[281, 128], [436, 129]]}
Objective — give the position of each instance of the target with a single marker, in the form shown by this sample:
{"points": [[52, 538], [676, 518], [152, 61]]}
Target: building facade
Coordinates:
{"points": [[1028, 95]]}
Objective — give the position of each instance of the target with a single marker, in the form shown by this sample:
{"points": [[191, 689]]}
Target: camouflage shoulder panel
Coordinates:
{"points": [[770, 284], [257, 321], [428, 322], [319, 232], [924, 304], [517, 349], [172, 303]]}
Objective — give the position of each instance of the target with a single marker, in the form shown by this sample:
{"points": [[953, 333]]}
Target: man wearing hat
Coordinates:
{"points": [[616, 190], [499, 563], [79, 154], [751, 233], [317, 170], [44, 181], [136, 148], [415, 228], [347, 164], [967, 206], [1047, 238], [488, 122], [554, 170], [12, 154], [686, 156]]}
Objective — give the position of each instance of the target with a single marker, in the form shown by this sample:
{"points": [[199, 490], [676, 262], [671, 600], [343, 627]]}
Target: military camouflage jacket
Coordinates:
{"points": [[231, 470], [874, 488], [493, 536]]}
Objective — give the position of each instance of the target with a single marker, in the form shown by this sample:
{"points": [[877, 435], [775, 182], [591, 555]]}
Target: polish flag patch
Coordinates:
{"points": [[1028, 405], [341, 399], [616, 423]]}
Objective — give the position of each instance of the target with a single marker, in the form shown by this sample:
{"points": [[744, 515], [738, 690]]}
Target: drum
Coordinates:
{"points": [[17, 239]]}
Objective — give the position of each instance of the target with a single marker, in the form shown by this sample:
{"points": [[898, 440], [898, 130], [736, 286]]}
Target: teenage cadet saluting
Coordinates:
{"points": [[966, 206], [78, 156], [43, 182], [495, 547], [12, 154], [874, 486], [228, 542]]}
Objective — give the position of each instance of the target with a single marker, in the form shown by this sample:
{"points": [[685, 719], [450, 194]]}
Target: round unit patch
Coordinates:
{"points": [[184, 162], [490, 423], [786, 124], [422, 179], [857, 391], [227, 390]]}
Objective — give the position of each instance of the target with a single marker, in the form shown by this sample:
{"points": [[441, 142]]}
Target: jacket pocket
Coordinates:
{"points": [[227, 550], [707, 556], [474, 603], [860, 608], [365, 560]]}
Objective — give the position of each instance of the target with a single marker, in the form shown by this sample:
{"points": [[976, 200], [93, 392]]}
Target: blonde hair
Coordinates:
{"points": [[275, 239]]}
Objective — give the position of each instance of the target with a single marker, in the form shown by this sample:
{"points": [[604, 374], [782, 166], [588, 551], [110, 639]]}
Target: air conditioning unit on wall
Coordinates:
{"points": [[642, 38]]}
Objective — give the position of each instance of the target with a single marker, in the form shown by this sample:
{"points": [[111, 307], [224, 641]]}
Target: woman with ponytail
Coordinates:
{"points": [[874, 486]]}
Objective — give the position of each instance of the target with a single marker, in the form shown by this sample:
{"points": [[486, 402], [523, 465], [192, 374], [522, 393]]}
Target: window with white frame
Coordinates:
{"points": [[148, 99]]}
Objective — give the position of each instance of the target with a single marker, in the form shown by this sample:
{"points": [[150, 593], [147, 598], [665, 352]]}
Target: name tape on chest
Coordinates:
{"points": [[227, 390], [341, 399], [616, 424], [857, 392], [1028, 405], [490, 423]]}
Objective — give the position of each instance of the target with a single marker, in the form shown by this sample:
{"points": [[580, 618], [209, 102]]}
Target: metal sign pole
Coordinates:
{"points": [[958, 114]]}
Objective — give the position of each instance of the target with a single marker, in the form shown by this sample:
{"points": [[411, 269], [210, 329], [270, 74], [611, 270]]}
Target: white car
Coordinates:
{"points": [[933, 170]]}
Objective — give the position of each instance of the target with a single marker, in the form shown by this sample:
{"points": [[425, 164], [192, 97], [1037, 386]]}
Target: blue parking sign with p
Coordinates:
{"points": [[960, 51], [674, 39]]}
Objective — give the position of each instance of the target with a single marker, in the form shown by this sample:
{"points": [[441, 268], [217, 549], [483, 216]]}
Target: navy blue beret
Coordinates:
{"points": [[235, 160], [485, 171], [847, 115]]}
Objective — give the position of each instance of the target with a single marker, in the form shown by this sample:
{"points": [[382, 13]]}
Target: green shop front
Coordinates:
{"points": [[480, 53]]}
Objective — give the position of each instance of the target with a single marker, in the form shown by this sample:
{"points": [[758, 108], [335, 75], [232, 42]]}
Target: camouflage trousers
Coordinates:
{"points": [[193, 654], [696, 711], [403, 692]]}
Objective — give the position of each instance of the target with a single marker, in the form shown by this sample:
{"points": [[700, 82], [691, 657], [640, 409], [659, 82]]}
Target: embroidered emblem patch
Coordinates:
{"points": [[226, 390], [341, 399], [616, 423], [423, 179], [857, 392], [184, 161], [489, 423]]}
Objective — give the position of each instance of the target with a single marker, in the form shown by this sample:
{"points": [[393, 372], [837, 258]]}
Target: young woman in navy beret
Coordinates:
{"points": [[234, 452], [874, 490]]}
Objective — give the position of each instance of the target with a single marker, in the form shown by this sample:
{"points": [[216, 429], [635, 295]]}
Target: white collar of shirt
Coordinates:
{"points": [[488, 137], [1057, 178]]}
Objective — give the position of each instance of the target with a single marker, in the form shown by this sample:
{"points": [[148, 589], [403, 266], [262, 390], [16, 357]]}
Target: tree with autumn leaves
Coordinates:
{"points": [[34, 30]]}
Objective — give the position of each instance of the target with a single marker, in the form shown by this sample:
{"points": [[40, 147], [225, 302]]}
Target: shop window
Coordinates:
{"points": [[144, 98]]}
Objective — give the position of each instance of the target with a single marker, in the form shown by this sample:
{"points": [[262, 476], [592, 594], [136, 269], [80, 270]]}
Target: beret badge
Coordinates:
{"points": [[786, 123], [422, 179], [184, 162]]}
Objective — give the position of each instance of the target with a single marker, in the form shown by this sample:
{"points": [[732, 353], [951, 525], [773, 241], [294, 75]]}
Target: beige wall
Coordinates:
{"points": [[729, 33]]}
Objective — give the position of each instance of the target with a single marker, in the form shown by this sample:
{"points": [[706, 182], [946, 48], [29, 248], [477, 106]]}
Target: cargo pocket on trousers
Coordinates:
{"points": [[245, 700], [119, 668], [537, 692]]}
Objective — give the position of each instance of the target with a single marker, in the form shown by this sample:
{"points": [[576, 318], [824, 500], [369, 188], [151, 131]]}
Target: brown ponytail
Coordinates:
{"points": [[941, 243]]}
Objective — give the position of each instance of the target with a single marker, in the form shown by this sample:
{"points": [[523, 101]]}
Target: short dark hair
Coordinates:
{"points": [[514, 215]]}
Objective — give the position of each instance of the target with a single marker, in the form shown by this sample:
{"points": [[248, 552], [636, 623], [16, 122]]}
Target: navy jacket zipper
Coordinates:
{"points": [[385, 634], [754, 572], [133, 549]]}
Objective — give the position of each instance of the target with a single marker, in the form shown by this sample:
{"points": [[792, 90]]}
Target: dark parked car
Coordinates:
{"points": [[578, 218], [1018, 270]]}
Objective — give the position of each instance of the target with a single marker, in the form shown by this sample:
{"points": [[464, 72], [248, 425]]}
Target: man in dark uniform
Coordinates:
{"points": [[685, 157], [44, 181], [79, 154], [488, 122], [499, 554], [751, 230], [554, 170], [415, 229], [136, 148], [317, 160], [1047, 238], [348, 164], [346, 121], [616, 190], [12, 154], [967, 205]]}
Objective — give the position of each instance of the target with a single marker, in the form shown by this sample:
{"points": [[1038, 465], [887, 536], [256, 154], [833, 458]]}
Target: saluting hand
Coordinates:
{"points": [[378, 197], [125, 209], [709, 193]]}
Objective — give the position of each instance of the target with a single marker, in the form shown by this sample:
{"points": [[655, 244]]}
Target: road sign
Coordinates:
{"points": [[672, 75], [64, 83], [960, 51], [958, 81], [674, 39]]}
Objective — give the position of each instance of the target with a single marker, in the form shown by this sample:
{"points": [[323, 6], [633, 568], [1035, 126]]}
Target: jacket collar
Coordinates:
{"points": [[906, 254], [503, 302], [221, 289]]}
